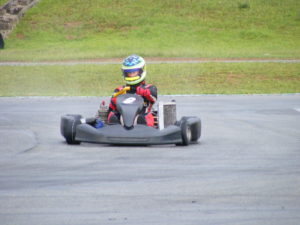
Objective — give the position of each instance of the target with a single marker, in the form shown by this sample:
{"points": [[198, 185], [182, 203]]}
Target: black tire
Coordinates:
{"points": [[196, 130], [186, 132], [1, 41], [68, 126], [190, 129]]}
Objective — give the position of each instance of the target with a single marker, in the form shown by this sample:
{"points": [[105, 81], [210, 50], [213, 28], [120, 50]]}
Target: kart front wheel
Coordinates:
{"points": [[186, 133], [190, 130], [68, 126]]}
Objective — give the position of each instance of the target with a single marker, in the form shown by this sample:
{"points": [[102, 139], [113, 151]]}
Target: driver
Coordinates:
{"points": [[134, 73]]}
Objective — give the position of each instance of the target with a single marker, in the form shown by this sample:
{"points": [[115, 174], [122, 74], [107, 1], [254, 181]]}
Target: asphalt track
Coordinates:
{"points": [[245, 170]]}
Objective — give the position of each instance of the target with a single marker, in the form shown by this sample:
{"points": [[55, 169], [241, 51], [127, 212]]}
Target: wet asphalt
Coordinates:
{"points": [[245, 169]]}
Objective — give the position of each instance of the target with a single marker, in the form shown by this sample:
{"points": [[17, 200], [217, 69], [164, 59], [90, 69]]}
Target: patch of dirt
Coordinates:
{"points": [[234, 78], [71, 25], [20, 36]]}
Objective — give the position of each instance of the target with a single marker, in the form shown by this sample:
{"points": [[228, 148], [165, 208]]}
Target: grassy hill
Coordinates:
{"points": [[2, 2], [202, 78], [75, 29]]}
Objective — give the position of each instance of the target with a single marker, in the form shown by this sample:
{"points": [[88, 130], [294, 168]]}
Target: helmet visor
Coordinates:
{"points": [[130, 73]]}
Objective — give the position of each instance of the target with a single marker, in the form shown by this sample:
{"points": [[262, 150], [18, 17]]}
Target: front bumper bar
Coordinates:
{"points": [[139, 135]]}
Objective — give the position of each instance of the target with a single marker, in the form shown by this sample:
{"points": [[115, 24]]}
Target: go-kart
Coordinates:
{"points": [[127, 130]]}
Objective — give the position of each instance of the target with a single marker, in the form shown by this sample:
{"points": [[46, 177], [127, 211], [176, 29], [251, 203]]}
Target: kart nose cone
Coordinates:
{"points": [[128, 128]]}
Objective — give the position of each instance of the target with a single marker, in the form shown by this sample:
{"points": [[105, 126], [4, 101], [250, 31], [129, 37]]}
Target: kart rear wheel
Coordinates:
{"points": [[196, 130], [68, 126]]}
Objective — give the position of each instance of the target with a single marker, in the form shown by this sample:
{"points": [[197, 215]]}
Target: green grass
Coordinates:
{"points": [[2, 2], [100, 80], [75, 29]]}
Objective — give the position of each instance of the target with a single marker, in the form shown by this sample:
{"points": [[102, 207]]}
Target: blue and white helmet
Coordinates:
{"points": [[131, 64]]}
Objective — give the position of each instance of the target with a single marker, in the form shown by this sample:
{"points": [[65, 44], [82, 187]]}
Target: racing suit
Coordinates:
{"points": [[149, 94]]}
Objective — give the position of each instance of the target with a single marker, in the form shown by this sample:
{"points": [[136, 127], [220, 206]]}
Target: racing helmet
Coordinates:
{"points": [[132, 64]]}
